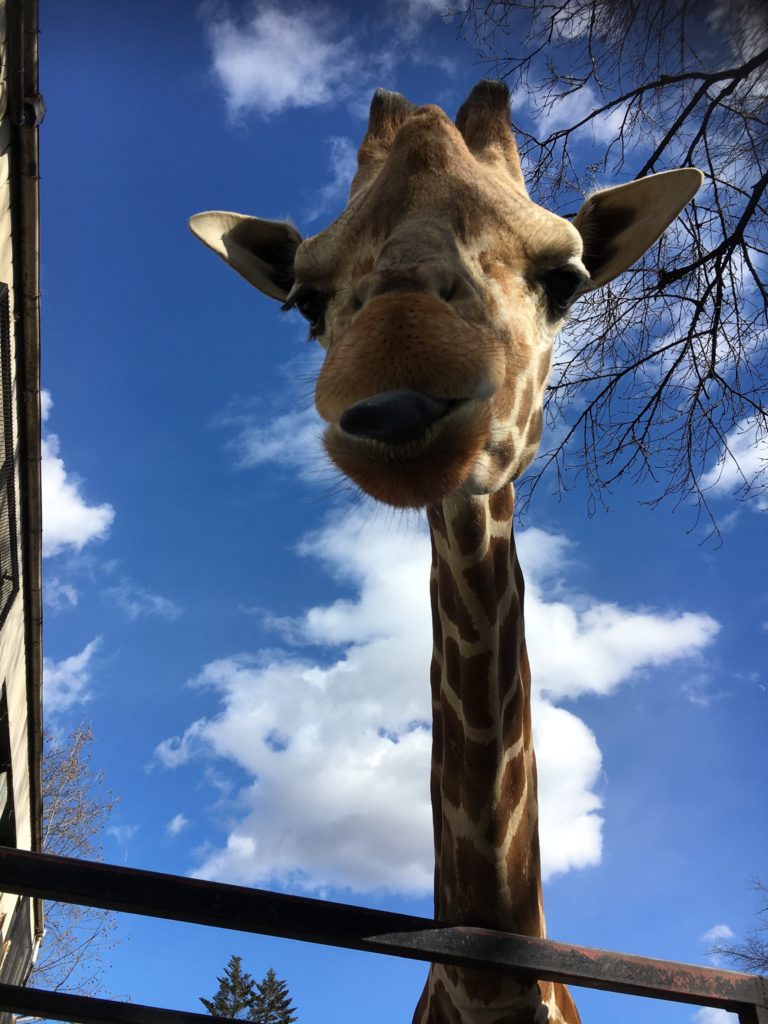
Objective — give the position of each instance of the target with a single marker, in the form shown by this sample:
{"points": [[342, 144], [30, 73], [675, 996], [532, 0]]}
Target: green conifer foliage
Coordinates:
{"points": [[272, 1004], [236, 993]]}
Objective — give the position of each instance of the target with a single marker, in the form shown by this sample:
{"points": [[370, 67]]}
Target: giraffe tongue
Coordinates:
{"points": [[393, 417]]}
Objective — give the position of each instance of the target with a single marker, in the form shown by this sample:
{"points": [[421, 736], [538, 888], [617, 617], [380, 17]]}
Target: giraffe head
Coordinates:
{"points": [[438, 292]]}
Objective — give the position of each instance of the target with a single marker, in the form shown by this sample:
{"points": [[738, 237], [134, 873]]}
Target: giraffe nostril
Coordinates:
{"points": [[393, 417]]}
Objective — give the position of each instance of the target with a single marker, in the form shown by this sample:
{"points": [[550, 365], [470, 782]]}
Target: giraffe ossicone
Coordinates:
{"points": [[437, 294]]}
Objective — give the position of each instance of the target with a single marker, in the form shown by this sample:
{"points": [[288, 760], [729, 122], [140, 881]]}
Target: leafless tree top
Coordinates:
{"points": [[76, 810], [663, 373]]}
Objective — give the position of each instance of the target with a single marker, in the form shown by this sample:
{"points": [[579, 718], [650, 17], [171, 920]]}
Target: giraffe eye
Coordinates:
{"points": [[311, 303], [560, 287]]}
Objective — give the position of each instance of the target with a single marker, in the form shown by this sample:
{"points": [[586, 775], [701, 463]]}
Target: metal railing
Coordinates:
{"points": [[174, 897]]}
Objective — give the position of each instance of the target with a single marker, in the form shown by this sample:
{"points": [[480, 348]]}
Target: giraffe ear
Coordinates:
{"points": [[261, 250], [619, 224]]}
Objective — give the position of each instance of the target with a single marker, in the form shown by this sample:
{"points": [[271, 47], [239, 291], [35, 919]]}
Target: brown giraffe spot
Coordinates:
{"points": [[489, 578], [437, 626], [513, 717], [482, 986], [445, 856], [453, 606], [437, 733], [453, 753], [441, 1009], [503, 454], [513, 788], [469, 527], [501, 504], [523, 870], [437, 526], [470, 683], [480, 582], [480, 760], [476, 901]]}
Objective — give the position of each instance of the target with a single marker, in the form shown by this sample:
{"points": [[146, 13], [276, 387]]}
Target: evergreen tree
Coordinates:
{"points": [[236, 994], [272, 1004]]}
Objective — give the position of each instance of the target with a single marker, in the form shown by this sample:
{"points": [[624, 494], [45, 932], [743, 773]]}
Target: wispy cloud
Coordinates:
{"points": [[123, 833], [698, 692], [741, 467], [569, 108], [66, 682], [69, 522], [177, 824], [345, 790], [342, 165], [137, 602], [274, 59], [59, 595], [293, 440]]}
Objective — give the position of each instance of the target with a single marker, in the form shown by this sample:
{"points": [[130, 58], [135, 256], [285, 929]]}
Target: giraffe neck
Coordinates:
{"points": [[485, 808]]}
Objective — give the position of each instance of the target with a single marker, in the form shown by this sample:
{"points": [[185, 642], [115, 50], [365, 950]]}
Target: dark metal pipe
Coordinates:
{"points": [[252, 910], [35, 1002]]}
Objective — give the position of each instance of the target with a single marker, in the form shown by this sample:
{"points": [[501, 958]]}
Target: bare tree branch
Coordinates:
{"points": [[652, 376], [76, 810], [752, 953]]}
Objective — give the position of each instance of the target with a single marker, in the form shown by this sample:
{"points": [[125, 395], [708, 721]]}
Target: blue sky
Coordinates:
{"points": [[250, 642]]}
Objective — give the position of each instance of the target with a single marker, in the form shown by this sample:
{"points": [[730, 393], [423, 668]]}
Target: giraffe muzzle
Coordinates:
{"points": [[394, 417]]}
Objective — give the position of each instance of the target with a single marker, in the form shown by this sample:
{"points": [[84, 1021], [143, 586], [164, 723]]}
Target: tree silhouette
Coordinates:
{"points": [[235, 995], [272, 1004]]}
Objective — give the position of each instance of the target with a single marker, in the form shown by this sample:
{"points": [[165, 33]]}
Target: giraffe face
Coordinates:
{"points": [[438, 292], [437, 295]]}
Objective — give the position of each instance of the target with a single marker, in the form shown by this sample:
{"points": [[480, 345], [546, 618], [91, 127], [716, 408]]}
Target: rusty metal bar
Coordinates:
{"points": [[36, 1002], [239, 908]]}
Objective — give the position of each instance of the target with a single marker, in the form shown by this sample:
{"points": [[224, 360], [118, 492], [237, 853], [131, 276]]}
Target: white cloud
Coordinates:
{"points": [[276, 60], [59, 595], [740, 464], [569, 762], [123, 833], [137, 602], [568, 109], [718, 933], [293, 440], [338, 751], [66, 682], [710, 1015], [68, 520], [177, 824], [410, 16]]}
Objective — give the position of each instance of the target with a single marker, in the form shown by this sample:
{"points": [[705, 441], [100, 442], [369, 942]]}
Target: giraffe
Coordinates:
{"points": [[437, 294]]}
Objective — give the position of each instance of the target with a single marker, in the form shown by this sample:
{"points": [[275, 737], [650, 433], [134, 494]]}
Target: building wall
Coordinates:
{"points": [[17, 921]]}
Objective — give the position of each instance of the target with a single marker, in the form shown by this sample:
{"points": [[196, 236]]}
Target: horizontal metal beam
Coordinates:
{"points": [[36, 1002], [239, 908]]}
